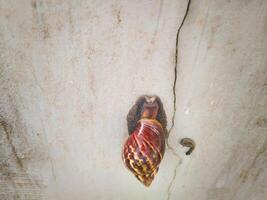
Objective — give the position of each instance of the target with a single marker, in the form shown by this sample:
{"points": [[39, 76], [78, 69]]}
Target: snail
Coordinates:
{"points": [[187, 142], [144, 148]]}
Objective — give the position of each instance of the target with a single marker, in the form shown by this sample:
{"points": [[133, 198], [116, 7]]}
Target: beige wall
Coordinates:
{"points": [[70, 71]]}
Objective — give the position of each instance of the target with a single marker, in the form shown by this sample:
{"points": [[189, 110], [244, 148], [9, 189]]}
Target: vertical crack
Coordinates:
{"points": [[172, 180], [176, 64], [174, 98]]}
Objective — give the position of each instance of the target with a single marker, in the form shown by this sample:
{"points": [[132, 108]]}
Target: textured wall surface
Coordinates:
{"points": [[71, 70]]}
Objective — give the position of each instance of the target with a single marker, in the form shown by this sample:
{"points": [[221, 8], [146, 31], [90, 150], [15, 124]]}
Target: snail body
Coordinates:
{"points": [[145, 147]]}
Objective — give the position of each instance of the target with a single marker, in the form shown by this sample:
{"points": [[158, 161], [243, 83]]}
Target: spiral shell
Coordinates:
{"points": [[144, 150]]}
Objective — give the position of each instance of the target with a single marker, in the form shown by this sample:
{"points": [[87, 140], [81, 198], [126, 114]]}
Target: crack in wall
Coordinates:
{"points": [[172, 180], [174, 99], [176, 64]]}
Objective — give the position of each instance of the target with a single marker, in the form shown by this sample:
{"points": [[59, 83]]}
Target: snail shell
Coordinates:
{"points": [[144, 150], [188, 142], [145, 147]]}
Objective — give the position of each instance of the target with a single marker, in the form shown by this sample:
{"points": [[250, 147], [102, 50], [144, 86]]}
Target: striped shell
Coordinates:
{"points": [[144, 150]]}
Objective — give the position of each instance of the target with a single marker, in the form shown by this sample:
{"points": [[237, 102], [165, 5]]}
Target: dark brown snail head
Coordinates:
{"points": [[146, 106], [150, 108]]}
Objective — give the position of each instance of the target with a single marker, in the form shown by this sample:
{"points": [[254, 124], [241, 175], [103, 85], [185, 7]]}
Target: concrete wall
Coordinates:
{"points": [[71, 70]]}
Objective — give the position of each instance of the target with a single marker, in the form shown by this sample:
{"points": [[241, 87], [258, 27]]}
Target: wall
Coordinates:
{"points": [[71, 70]]}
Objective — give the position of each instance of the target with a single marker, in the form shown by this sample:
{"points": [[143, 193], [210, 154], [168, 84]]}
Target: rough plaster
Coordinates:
{"points": [[70, 71]]}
